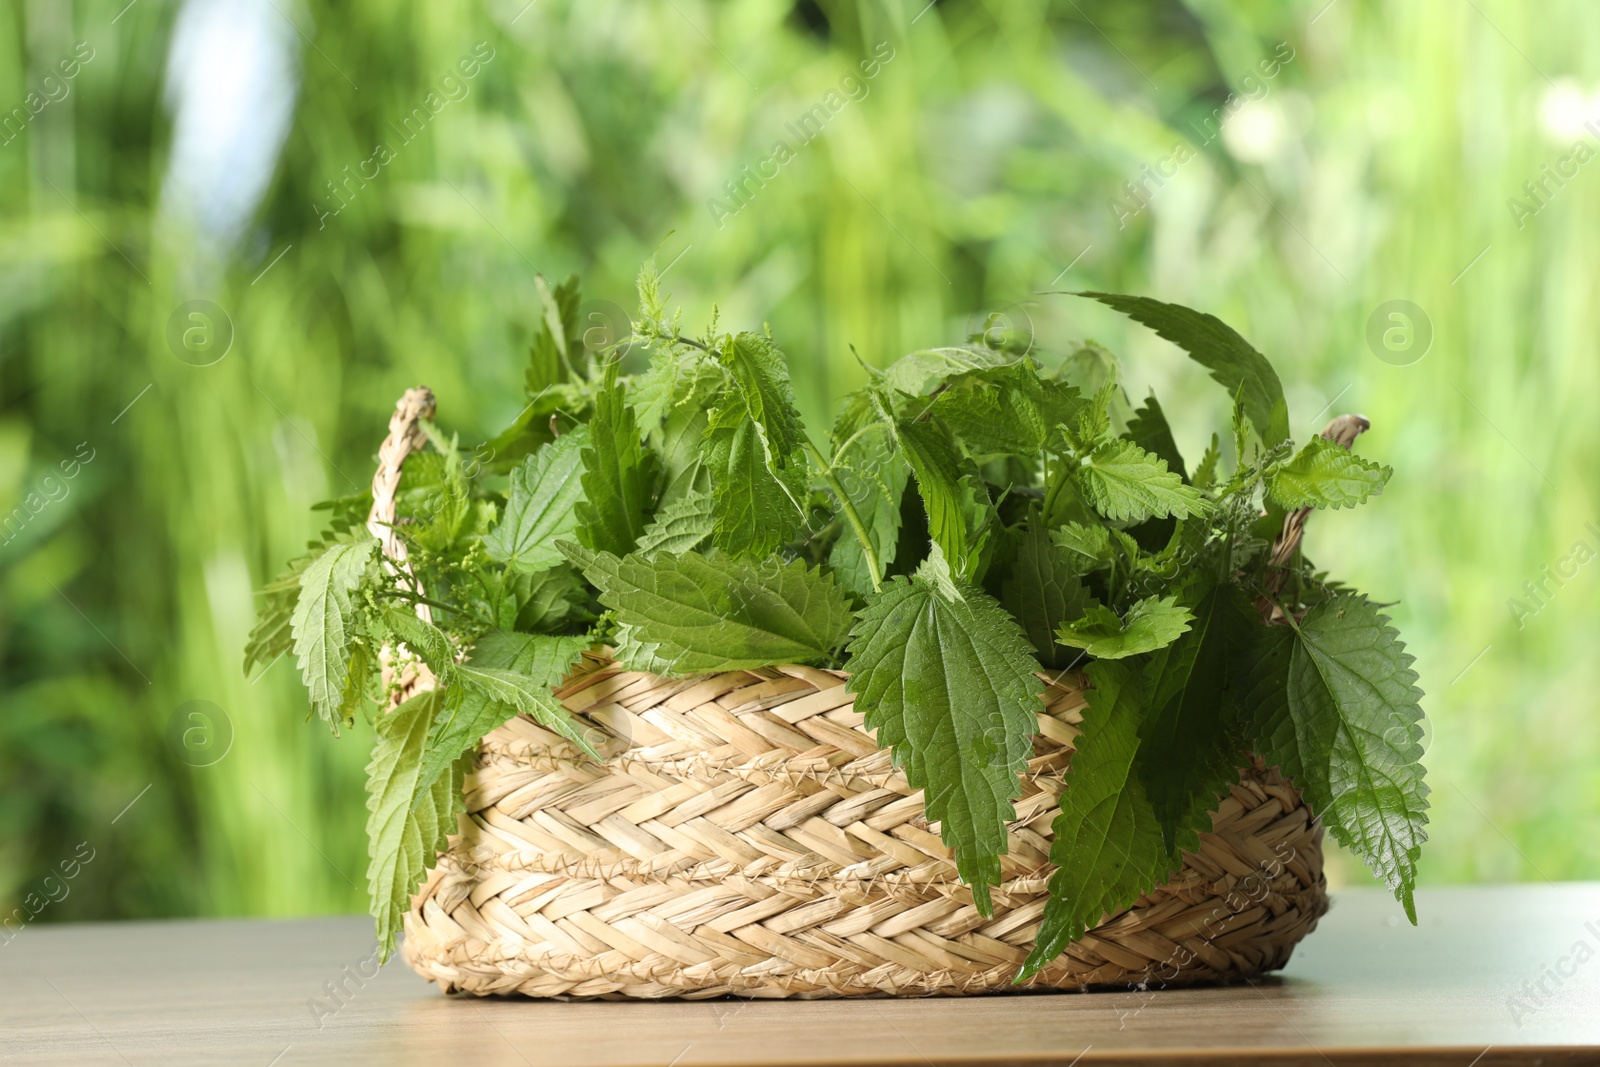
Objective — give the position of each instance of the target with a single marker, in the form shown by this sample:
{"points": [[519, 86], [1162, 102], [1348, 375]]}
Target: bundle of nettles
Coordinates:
{"points": [[978, 517]]}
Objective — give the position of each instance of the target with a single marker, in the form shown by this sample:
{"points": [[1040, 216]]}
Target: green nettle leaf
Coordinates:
{"points": [[938, 470], [673, 401], [273, 635], [755, 448], [618, 472], [1060, 405], [548, 601], [1093, 543], [1088, 366], [681, 526], [1325, 474], [531, 429], [1179, 556], [936, 571], [1094, 417], [1107, 844], [979, 514], [546, 660], [874, 477], [1151, 623], [996, 412], [552, 356], [1335, 704], [410, 817], [523, 694], [1206, 473], [1189, 750], [762, 378], [950, 685], [508, 673], [1149, 430], [358, 669], [424, 639], [920, 372], [1123, 481], [756, 508], [715, 612], [1213, 344], [322, 623], [669, 380], [1241, 431], [1044, 592], [541, 507], [859, 409], [446, 515]]}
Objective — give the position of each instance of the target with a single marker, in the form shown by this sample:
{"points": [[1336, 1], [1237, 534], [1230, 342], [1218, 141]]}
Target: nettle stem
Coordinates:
{"points": [[1060, 482], [874, 571]]}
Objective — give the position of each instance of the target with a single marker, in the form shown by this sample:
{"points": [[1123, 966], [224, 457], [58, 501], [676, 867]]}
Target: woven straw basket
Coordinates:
{"points": [[745, 835]]}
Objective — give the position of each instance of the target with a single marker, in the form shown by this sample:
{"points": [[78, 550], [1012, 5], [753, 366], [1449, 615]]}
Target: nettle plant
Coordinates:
{"points": [[981, 519]]}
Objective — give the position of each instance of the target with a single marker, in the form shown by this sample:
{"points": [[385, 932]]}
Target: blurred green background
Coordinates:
{"points": [[363, 215]]}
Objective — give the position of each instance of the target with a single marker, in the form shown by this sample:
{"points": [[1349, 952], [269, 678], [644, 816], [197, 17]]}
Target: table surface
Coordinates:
{"points": [[1493, 975]]}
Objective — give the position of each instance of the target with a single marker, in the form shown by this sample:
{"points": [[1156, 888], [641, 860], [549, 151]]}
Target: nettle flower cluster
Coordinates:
{"points": [[977, 517]]}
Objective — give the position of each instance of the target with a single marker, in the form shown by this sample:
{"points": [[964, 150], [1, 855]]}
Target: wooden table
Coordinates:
{"points": [[1463, 990]]}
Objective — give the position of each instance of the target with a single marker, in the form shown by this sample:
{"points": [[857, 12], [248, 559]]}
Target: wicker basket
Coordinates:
{"points": [[745, 835]]}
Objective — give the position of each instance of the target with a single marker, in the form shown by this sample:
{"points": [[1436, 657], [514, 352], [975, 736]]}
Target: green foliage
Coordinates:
{"points": [[874, 479], [755, 448], [757, 506], [489, 697], [323, 621], [1107, 844], [541, 507], [617, 473], [1151, 623], [761, 377], [528, 691], [673, 401], [919, 373], [681, 526], [691, 613], [690, 523], [998, 411], [1123, 481], [1334, 702], [547, 602], [951, 686], [409, 815], [1237, 366], [1045, 591], [551, 359], [1188, 740], [273, 635], [424, 277], [424, 639], [1206, 473], [1091, 542], [1325, 474], [1149, 430], [945, 493]]}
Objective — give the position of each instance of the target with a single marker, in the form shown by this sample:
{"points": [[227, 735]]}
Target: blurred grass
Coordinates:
{"points": [[983, 159]]}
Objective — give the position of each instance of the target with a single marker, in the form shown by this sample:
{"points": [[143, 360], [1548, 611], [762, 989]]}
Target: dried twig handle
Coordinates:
{"points": [[1343, 430], [405, 437]]}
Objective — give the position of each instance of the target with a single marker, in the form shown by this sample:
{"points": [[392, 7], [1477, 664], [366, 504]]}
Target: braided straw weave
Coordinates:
{"points": [[745, 835]]}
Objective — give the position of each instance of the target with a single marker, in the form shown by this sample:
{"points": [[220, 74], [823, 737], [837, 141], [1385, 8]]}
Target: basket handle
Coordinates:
{"points": [[405, 437], [1342, 430]]}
